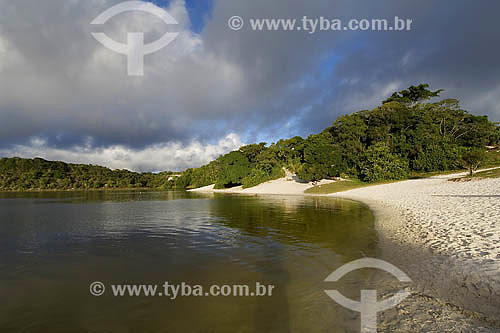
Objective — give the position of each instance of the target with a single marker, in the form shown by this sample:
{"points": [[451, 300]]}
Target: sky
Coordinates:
{"points": [[64, 96]]}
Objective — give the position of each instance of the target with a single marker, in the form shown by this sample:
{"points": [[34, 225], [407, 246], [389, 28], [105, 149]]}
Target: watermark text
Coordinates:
{"points": [[313, 25], [174, 290]]}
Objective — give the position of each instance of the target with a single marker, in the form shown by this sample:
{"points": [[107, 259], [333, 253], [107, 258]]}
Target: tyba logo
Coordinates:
{"points": [[368, 305], [135, 49]]}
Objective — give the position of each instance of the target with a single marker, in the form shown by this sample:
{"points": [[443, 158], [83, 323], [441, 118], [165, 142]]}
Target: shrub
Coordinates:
{"points": [[258, 176], [378, 163], [437, 157]]}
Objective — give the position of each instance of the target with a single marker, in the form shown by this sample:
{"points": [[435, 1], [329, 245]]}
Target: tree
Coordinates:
{"points": [[350, 132], [413, 95], [252, 151], [380, 164], [472, 158], [233, 168], [405, 133], [321, 158]]}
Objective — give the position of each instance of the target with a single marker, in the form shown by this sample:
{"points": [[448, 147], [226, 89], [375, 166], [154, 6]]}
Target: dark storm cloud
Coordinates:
{"points": [[452, 45], [58, 85]]}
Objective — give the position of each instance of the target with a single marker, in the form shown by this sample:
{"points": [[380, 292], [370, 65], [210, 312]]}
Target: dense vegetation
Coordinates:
{"points": [[406, 134], [17, 174]]}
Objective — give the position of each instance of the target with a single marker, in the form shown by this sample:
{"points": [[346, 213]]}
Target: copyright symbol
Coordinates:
{"points": [[97, 289], [235, 23]]}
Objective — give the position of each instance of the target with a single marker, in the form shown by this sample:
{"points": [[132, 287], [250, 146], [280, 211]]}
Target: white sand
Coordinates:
{"points": [[282, 186], [458, 223], [458, 219], [449, 234]]}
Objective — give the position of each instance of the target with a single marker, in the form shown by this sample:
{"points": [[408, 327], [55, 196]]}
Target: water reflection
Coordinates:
{"points": [[52, 245], [98, 196], [341, 225]]}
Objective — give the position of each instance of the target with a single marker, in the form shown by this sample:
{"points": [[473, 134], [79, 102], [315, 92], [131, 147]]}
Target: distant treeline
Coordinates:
{"points": [[18, 174], [405, 134]]}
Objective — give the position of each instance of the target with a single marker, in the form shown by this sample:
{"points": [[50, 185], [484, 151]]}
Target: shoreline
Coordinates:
{"points": [[440, 282], [80, 190], [443, 234], [447, 242]]}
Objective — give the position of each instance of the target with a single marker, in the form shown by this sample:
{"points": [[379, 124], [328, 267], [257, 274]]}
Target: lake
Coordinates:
{"points": [[54, 245]]}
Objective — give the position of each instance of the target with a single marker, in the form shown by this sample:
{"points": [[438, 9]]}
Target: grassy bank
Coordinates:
{"points": [[342, 186], [347, 185]]}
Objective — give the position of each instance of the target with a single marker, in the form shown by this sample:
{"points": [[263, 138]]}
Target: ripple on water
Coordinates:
{"points": [[52, 248]]}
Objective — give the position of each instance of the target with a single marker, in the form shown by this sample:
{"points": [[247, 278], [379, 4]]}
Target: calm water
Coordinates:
{"points": [[53, 245]]}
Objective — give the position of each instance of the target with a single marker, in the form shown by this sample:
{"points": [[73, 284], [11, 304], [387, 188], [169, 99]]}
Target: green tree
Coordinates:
{"points": [[472, 159], [380, 164], [233, 168], [321, 159], [413, 95]]}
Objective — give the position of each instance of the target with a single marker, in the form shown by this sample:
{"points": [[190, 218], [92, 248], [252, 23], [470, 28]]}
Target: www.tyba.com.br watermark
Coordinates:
{"points": [[319, 24], [174, 290]]}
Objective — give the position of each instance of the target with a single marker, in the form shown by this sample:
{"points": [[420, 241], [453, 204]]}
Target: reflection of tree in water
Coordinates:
{"points": [[98, 196], [344, 226], [290, 223]]}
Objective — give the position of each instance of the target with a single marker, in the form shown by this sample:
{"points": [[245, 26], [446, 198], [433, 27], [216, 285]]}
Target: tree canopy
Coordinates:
{"points": [[406, 133], [413, 95]]}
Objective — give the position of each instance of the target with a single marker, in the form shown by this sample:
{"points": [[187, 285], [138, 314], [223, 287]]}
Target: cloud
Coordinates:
{"points": [[63, 84], [59, 85], [173, 156]]}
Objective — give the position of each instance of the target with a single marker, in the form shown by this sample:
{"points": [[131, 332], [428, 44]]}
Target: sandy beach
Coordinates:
{"points": [[459, 219], [444, 234], [282, 186]]}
